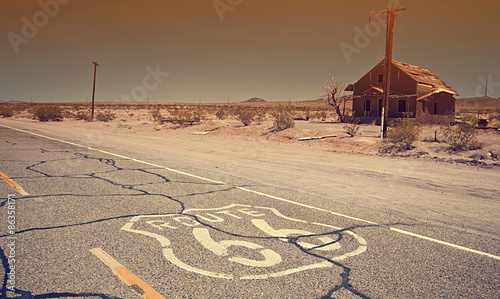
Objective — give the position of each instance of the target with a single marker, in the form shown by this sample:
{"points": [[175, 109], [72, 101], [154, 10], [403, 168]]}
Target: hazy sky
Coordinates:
{"points": [[236, 49]]}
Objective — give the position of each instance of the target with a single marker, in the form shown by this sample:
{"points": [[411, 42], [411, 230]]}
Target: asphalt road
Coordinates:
{"points": [[115, 217]]}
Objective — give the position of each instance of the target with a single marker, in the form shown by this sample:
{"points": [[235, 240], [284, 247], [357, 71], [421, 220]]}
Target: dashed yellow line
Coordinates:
{"points": [[14, 184], [132, 280]]}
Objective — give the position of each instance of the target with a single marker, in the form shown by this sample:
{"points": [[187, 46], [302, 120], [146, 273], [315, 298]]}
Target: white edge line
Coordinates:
{"points": [[444, 243], [264, 194]]}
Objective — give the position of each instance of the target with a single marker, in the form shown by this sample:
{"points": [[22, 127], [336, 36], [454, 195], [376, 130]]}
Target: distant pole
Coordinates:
{"points": [[93, 89], [391, 16], [486, 89]]}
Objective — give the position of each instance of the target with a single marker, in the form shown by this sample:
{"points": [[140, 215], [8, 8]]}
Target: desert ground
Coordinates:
{"points": [[315, 126]]}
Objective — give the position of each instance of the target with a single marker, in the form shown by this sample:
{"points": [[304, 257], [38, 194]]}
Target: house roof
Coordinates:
{"points": [[424, 76]]}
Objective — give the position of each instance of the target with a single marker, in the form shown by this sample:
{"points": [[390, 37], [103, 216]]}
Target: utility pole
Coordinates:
{"points": [[93, 90], [391, 16]]}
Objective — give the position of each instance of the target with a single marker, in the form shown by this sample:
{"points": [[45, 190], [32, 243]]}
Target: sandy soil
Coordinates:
{"points": [[366, 142]]}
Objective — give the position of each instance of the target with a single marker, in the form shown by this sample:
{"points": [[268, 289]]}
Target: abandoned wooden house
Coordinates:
{"points": [[414, 90]]}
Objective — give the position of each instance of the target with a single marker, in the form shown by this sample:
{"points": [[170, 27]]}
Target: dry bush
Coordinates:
{"points": [[353, 127], [283, 117], [494, 151], [105, 116], [6, 112], [198, 114], [222, 113], [157, 116], [404, 133], [46, 113], [246, 115], [183, 116], [321, 115], [82, 115], [463, 135]]}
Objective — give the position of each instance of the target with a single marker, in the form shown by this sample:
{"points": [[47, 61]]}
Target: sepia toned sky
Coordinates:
{"points": [[220, 50]]}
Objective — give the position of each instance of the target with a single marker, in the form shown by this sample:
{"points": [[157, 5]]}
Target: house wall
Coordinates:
{"points": [[400, 81], [445, 112]]}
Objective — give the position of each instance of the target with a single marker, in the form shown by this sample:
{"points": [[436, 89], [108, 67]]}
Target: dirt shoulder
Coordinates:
{"points": [[306, 134]]}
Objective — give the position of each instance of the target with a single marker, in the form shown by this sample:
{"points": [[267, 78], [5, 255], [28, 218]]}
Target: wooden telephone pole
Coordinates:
{"points": [[391, 16], [93, 89]]}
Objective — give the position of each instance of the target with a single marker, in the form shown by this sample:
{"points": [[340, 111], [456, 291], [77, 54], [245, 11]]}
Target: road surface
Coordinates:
{"points": [[105, 214]]}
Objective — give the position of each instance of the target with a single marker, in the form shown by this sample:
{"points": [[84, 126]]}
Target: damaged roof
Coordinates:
{"points": [[424, 76]]}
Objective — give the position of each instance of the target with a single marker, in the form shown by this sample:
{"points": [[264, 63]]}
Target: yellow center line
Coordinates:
{"points": [[14, 184], [126, 275]]}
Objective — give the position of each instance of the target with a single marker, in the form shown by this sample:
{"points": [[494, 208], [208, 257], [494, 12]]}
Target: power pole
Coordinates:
{"points": [[93, 90], [391, 16]]}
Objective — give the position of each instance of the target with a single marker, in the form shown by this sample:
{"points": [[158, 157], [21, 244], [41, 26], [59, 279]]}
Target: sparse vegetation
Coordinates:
{"points": [[82, 115], [105, 116], [222, 113], [183, 116], [404, 133], [353, 127], [283, 117], [461, 136], [6, 112], [246, 115], [46, 113], [157, 116]]}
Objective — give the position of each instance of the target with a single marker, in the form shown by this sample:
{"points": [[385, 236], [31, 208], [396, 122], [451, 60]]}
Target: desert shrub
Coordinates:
{"points": [[82, 115], [353, 127], [198, 115], [105, 116], [184, 116], [246, 115], [157, 116], [494, 151], [67, 114], [283, 117], [222, 113], [321, 115], [46, 113], [461, 136], [6, 112], [404, 133], [480, 155]]}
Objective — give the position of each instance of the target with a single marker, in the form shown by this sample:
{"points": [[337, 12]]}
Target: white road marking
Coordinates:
{"points": [[264, 194], [220, 247]]}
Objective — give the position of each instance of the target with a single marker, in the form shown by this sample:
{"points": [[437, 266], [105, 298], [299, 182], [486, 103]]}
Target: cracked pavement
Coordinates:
{"points": [[252, 229]]}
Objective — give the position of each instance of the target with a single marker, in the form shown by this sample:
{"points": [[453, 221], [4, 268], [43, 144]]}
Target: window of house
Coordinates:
{"points": [[402, 106], [380, 78]]}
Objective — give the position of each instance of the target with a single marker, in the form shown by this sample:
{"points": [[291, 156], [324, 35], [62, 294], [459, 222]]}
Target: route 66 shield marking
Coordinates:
{"points": [[245, 242]]}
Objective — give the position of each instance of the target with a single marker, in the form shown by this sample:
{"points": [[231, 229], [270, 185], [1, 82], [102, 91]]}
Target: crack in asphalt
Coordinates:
{"points": [[345, 276]]}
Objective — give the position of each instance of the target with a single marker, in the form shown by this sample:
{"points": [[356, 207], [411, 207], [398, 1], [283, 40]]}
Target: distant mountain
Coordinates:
{"points": [[255, 100]]}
